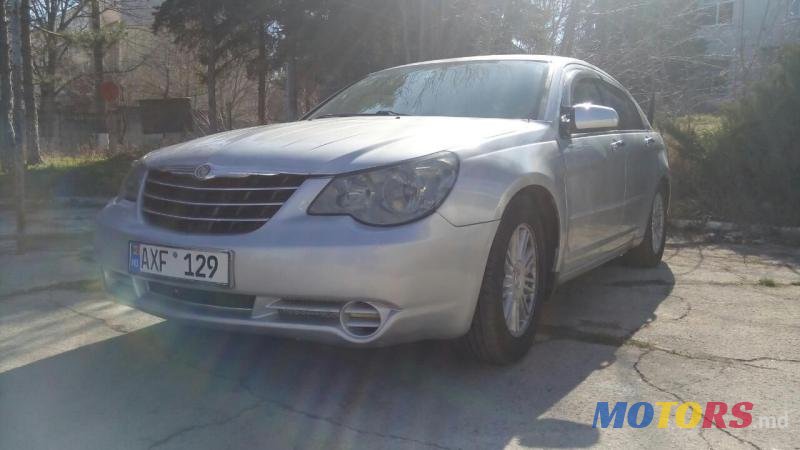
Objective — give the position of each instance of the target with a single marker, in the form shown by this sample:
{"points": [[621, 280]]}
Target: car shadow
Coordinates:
{"points": [[191, 387]]}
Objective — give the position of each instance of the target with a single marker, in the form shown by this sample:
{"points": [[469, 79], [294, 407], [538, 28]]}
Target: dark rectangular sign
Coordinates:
{"points": [[166, 115]]}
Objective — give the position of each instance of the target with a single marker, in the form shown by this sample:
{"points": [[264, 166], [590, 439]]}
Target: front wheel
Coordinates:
{"points": [[513, 290], [649, 252]]}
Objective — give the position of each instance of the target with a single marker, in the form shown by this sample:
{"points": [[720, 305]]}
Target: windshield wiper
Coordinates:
{"points": [[386, 112], [382, 112]]}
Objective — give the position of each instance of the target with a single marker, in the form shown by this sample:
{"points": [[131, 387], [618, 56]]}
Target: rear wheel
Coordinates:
{"points": [[650, 251], [513, 290]]}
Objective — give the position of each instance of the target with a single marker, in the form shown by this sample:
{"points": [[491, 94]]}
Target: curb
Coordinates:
{"points": [[62, 202], [48, 236], [83, 284], [728, 227]]}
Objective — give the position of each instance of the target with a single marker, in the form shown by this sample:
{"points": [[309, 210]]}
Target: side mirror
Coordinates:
{"points": [[589, 117]]}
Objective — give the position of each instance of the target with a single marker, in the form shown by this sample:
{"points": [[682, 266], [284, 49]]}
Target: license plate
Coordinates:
{"points": [[180, 263]]}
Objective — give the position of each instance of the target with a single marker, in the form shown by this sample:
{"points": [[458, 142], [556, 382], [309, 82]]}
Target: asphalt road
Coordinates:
{"points": [[78, 371]]}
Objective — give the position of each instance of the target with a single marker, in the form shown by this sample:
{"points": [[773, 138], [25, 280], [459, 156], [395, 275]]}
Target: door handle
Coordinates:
{"points": [[616, 145], [649, 140]]}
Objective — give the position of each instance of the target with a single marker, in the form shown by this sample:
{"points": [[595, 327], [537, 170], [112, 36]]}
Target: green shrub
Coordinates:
{"points": [[747, 169], [90, 176], [767, 282]]}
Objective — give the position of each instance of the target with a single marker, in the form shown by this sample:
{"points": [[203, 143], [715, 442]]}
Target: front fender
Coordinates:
{"points": [[488, 181]]}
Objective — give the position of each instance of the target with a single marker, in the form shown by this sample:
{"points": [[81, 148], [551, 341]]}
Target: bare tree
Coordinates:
{"points": [[650, 46], [31, 116], [53, 20], [15, 33], [8, 138], [168, 70], [97, 61], [290, 88], [262, 69], [236, 95], [214, 29], [570, 28]]}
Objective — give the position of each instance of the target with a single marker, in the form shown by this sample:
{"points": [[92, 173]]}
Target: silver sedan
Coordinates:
{"points": [[444, 199]]}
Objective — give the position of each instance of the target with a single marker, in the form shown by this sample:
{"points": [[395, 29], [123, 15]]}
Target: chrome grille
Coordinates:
{"points": [[220, 205]]}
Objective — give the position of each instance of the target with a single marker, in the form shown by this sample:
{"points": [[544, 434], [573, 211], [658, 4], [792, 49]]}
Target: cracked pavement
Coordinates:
{"points": [[79, 371]]}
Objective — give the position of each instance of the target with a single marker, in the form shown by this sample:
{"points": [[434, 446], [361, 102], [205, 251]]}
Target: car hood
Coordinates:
{"points": [[338, 145]]}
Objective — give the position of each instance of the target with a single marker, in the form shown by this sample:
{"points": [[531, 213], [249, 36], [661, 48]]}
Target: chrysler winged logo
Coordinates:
{"points": [[203, 172]]}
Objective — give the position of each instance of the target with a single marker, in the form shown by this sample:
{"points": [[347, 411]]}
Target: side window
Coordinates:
{"points": [[629, 118], [584, 90]]}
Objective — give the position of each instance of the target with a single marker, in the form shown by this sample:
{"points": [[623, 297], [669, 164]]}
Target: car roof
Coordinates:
{"points": [[558, 61]]}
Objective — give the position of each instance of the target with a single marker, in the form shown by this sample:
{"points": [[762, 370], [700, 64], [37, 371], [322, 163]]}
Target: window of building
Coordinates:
{"points": [[725, 12], [707, 15], [794, 9], [715, 13]]}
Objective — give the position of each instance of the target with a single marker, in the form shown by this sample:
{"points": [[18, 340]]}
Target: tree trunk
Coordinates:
{"points": [[262, 97], [262, 75], [47, 109], [97, 64], [421, 32], [404, 27], [602, 25], [291, 90], [14, 31], [47, 86], [31, 116], [211, 86], [8, 139], [570, 28]]}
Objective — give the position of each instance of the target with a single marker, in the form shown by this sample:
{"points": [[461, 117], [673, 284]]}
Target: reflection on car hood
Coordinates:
{"points": [[337, 145]]}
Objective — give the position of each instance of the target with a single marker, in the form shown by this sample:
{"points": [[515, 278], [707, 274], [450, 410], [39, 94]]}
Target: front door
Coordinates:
{"points": [[595, 183]]}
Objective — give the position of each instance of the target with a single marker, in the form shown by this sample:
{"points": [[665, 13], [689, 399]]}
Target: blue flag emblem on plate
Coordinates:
{"points": [[135, 258]]}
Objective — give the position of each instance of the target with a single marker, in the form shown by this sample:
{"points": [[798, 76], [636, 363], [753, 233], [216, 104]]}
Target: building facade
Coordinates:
{"points": [[746, 34]]}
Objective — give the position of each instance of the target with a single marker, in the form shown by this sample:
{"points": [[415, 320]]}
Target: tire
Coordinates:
{"points": [[490, 338], [651, 249]]}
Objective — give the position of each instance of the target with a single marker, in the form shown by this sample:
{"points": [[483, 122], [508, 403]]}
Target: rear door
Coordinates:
{"points": [[595, 179]]}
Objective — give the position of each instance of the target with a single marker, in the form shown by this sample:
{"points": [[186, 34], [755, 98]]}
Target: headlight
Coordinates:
{"points": [[391, 195], [133, 181]]}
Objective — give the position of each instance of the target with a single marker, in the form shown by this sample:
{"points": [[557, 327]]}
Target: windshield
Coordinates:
{"points": [[490, 89]]}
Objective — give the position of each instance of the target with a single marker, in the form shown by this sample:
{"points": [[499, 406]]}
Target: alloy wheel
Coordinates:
{"points": [[519, 282], [657, 223]]}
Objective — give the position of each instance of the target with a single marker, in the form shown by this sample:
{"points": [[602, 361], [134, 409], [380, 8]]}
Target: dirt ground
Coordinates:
{"points": [[714, 322]]}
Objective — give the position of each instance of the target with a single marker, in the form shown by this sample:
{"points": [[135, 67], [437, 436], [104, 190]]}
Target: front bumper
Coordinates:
{"points": [[422, 277]]}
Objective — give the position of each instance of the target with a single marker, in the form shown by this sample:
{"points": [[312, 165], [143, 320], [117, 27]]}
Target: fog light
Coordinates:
{"points": [[360, 319]]}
